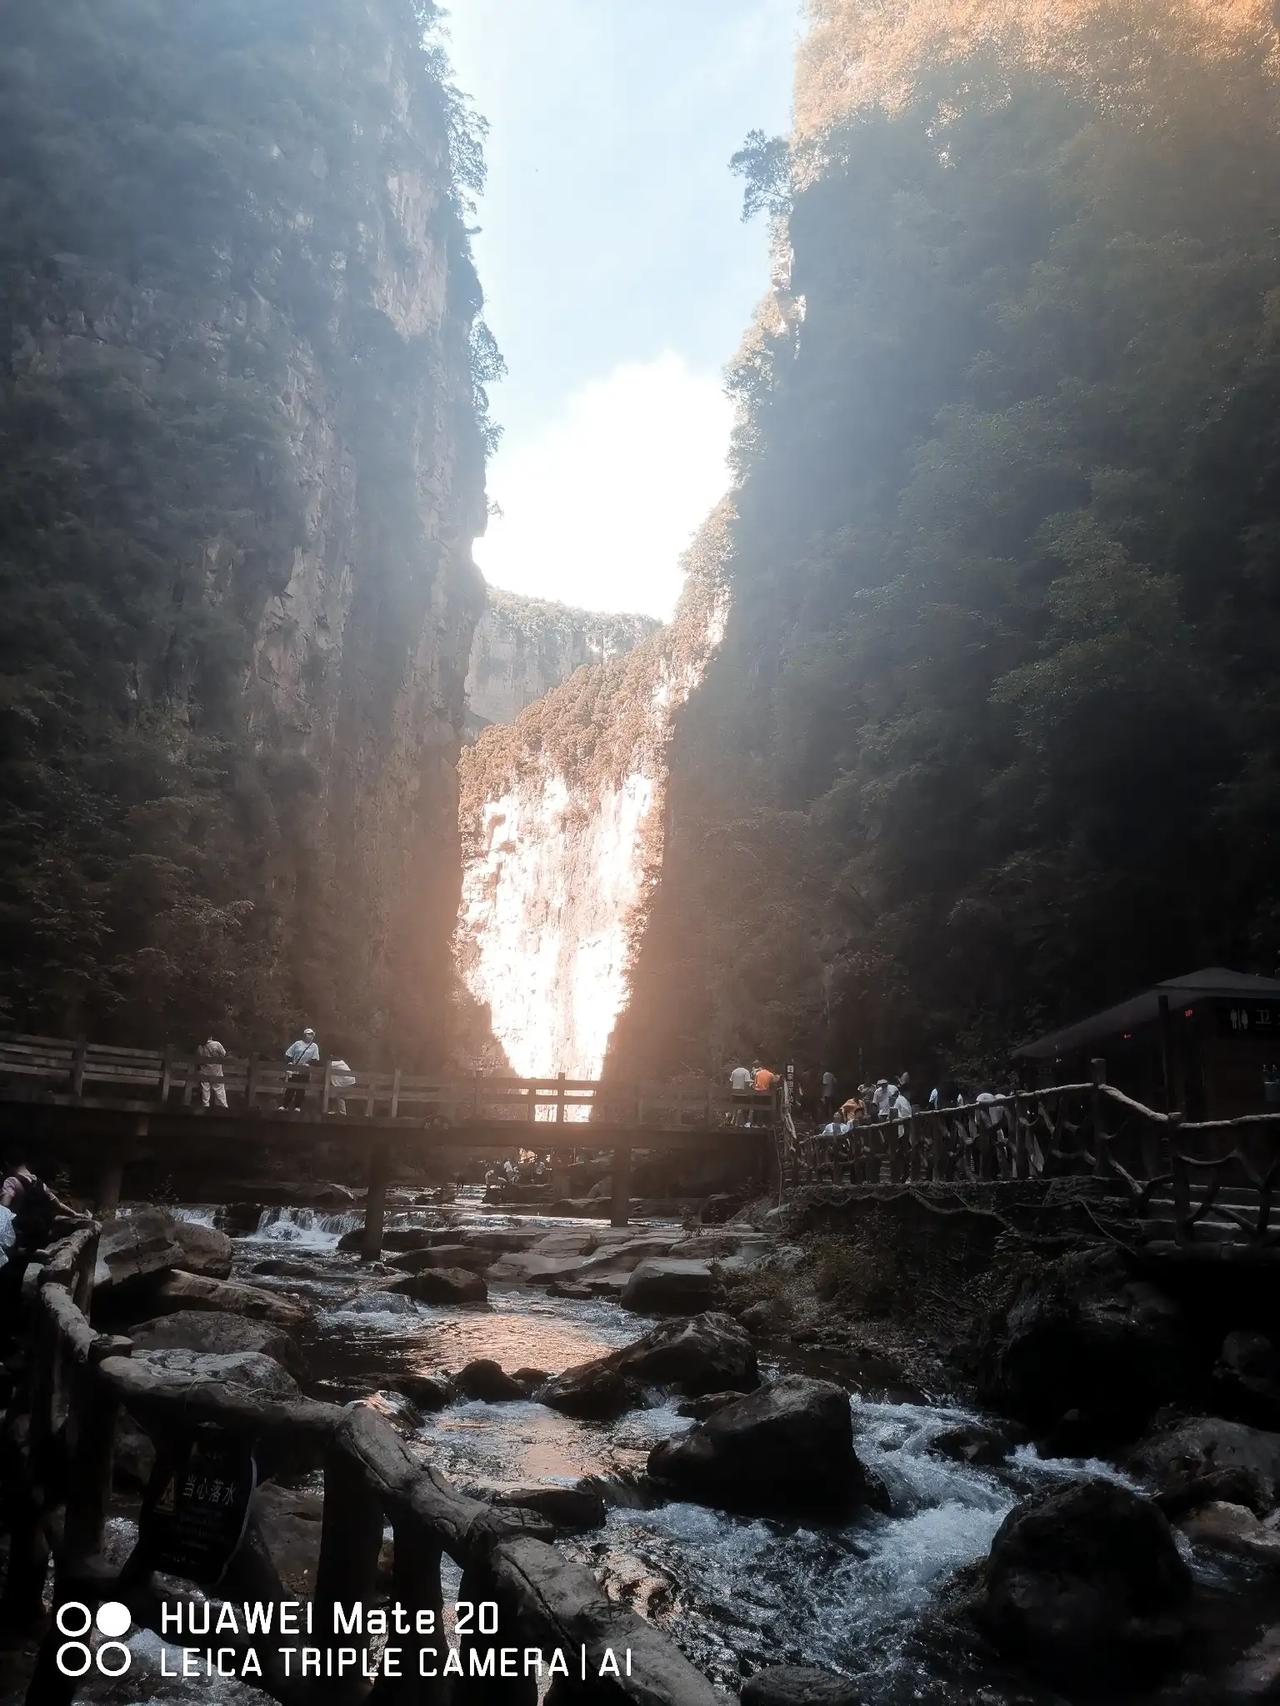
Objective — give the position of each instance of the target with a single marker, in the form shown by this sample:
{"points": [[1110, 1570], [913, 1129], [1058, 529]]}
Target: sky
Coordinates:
{"points": [[617, 272]]}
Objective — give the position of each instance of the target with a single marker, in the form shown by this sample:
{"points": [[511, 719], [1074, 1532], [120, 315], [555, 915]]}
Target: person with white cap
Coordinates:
{"points": [[301, 1055]]}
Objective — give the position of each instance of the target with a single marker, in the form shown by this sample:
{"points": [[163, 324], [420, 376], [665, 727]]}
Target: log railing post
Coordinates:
{"points": [[1097, 1114], [395, 1094], [560, 1077], [375, 1207], [109, 1184], [621, 1200], [166, 1075], [95, 1407], [477, 1591], [78, 1054], [350, 1543], [326, 1089], [416, 1585]]}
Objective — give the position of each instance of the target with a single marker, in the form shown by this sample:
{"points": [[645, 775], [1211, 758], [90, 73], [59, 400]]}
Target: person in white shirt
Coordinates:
{"points": [[882, 1096], [740, 1078], [210, 1056], [828, 1092]]}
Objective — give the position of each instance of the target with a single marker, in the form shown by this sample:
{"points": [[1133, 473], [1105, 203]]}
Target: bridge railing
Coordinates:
{"points": [[94, 1071], [1068, 1130], [79, 1383]]}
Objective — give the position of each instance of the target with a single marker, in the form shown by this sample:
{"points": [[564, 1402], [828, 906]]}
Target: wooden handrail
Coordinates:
{"points": [[371, 1472]]}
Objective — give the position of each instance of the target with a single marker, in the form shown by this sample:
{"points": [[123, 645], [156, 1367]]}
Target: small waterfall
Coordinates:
{"points": [[196, 1214], [305, 1227]]}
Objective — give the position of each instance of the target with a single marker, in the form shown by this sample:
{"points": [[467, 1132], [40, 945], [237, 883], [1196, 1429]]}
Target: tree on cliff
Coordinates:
{"points": [[1002, 654]]}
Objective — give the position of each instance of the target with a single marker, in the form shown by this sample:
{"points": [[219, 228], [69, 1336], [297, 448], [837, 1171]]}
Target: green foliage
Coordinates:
{"points": [[764, 163], [999, 681]]}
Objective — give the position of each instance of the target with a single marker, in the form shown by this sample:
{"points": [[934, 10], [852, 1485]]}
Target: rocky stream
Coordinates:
{"points": [[765, 1507]]}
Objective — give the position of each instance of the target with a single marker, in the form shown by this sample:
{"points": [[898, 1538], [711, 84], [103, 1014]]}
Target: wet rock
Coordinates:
{"points": [[573, 1510], [706, 1353], [529, 1378], [1248, 1378], [284, 1267], [485, 1380], [698, 1409], [253, 1370], [569, 1288], [666, 1286], [973, 1442], [204, 1250], [1235, 1528], [761, 1317], [427, 1391], [1085, 1586], [411, 1237], [1220, 1486], [709, 1353], [178, 1290], [377, 1303], [442, 1285], [353, 1240], [134, 1248], [1205, 1445], [217, 1335], [393, 1406], [625, 1491], [786, 1449], [445, 1256], [1087, 1335], [797, 1685], [593, 1391]]}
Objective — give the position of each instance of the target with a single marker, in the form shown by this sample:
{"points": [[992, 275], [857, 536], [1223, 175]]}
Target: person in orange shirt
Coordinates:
{"points": [[765, 1080]]}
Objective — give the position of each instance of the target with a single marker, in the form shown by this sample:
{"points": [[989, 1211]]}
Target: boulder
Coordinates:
{"points": [[260, 1374], [1087, 1335], [134, 1248], [698, 1409], [1193, 1449], [709, 1353], [178, 1290], [663, 1285], [411, 1237], [1235, 1529], [797, 1685], [706, 1353], [568, 1288], [1219, 1487], [284, 1267], [442, 1285], [1085, 1585], [784, 1450], [973, 1442], [483, 1379], [217, 1335], [394, 1406], [1247, 1377], [529, 1378], [574, 1510], [445, 1256], [377, 1303], [427, 1391], [204, 1249], [353, 1240]]}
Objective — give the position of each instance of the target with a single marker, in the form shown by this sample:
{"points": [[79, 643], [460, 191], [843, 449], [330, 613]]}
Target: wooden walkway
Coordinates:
{"points": [[79, 1381], [1206, 1189], [122, 1105]]}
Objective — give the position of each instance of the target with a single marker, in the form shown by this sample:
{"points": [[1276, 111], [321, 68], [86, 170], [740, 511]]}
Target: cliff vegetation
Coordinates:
{"points": [[992, 736]]}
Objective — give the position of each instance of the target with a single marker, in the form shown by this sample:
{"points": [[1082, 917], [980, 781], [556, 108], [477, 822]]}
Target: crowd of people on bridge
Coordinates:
{"points": [[300, 1057]]}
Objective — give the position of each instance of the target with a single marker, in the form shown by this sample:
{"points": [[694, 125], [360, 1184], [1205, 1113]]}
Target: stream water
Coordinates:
{"points": [[734, 1593]]}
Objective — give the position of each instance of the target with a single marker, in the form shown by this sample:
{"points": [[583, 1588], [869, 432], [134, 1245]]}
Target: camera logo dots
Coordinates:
{"points": [[75, 1621]]}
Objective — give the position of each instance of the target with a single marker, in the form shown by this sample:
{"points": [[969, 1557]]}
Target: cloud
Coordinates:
{"points": [[598, 505]]}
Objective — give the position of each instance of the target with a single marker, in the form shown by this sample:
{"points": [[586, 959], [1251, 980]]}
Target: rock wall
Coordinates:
{"points": [[525, 647], [563, 817], [256, 246]]}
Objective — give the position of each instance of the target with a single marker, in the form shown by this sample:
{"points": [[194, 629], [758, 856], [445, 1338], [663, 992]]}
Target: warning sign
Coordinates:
{"points": [[196, 1506]]}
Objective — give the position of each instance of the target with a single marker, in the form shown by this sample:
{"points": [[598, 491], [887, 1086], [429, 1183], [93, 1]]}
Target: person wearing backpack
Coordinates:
{"points": [[33, 1207]]}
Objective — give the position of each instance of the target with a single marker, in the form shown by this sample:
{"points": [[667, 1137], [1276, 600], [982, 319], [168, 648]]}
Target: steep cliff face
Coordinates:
{"points": [[563, 815], [237, 378], [1000, 616], [524, 647]]}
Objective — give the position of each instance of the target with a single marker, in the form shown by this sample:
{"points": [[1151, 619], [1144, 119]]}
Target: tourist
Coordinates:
{"points": [[341, 1077], [881, 1096], [853, 1109], [828, 1093], [764, 1079], [33, 1207], [210, 1056], [740, 1078], [301, 1056]]}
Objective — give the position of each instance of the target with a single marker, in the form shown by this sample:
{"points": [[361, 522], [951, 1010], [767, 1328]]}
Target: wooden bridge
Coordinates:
{"points": [[1205, 1189], [78, 1383], [118, 1105]]}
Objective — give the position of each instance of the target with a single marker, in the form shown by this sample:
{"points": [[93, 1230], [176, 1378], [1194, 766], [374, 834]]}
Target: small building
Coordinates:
{"points": [[1217, 1030]]}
